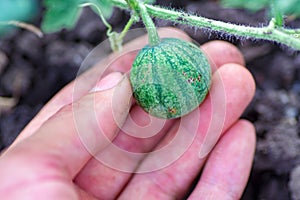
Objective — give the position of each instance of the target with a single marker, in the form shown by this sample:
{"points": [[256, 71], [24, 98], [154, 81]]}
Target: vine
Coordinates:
{"points": [[140, 8], [272, 32], [64, 14]]}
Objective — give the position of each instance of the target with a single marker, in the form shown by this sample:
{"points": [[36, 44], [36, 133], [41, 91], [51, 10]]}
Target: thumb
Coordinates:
{"points": [[81, 129]]}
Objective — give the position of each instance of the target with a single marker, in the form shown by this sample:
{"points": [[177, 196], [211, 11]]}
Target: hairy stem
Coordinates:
{"points": [[140, 8], [271, 33]]}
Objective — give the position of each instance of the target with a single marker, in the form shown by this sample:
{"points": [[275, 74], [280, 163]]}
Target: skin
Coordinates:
{"points": [[55, 157]]}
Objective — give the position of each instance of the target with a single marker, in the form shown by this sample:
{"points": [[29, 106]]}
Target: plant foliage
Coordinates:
{"points": [[60, 14], [64, 14], [286, 7], [16, 10], [149, 1], [105, 6]]}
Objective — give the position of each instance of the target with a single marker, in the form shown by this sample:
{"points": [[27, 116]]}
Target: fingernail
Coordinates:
{"points": [[109, 81]]}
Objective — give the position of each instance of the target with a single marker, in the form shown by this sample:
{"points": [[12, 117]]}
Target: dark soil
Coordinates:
{"points": [[32, 70]]}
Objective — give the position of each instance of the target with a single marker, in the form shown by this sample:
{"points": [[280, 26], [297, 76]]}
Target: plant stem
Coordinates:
{"points": [[140, 8], [150, 26], [132, 20], [266, 33], [24, 25], [116, 39], [108, 26]]}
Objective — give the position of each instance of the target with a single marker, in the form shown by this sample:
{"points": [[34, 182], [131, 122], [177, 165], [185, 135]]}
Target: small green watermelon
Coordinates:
{"points": [[170, 79]]}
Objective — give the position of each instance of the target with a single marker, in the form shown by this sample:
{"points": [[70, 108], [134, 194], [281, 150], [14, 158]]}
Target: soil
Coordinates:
{"points": [[32, 70]]}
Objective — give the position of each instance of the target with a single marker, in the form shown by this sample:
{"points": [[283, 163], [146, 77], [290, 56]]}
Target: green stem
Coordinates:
{"points": [[131, 21], [266, 33], [116, 39], [108, 26], [140, 8]]}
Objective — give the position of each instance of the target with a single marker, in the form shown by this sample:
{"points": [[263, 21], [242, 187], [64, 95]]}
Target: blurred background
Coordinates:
{"points": [[33, 69]]}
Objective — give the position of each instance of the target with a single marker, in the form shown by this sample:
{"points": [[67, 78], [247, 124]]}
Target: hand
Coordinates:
{"points": [[66, 151]]}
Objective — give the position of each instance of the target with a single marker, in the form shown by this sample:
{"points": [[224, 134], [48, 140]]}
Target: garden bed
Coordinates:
{"points": [[32, 70]]}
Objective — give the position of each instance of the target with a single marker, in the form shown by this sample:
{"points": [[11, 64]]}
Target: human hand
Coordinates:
{"points": [[63, 153]]}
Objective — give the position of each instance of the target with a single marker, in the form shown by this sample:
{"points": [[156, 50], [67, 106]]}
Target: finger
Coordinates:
{"points": [[69, 138], [220, 53], [228, 167], [174, 180], [119, 62], [116, 164]]}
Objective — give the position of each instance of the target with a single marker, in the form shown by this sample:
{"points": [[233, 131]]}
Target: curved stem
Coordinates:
{"points": [[140, 8], [132, 20], [116, 39], [23, 25], [108, 26], [266, 33], [150, 26]]}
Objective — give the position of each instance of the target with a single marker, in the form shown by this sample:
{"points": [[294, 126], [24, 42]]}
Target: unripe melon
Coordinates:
{"points": [[170, 79]]}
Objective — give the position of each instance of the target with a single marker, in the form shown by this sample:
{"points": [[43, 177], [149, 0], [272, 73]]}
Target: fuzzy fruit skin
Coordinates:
{"points": [[171, 79]]}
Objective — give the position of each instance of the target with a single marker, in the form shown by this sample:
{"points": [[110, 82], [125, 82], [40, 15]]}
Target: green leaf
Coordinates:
{"points": [[60, 14], [276, 13], [289, 7], [16, 10], [19, 10], [149, 1], [105, 6], [65, 13], [285, 7], [252, 5]]}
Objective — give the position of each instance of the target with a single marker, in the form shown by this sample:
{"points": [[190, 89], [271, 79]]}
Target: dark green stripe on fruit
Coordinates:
{"points": [[188, 97], [197, 75], [170, 79], [194, 75]]}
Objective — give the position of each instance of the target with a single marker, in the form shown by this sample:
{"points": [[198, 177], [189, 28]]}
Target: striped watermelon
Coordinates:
{"points": [[170, 79]]}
